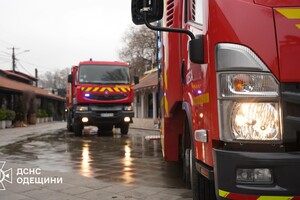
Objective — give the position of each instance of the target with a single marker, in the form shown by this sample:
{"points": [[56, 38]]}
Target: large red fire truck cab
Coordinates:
{"points": [[230, 88], [99, 94]]}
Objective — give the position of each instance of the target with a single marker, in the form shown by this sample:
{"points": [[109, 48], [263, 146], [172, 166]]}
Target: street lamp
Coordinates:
{"points": [[23, 52]]}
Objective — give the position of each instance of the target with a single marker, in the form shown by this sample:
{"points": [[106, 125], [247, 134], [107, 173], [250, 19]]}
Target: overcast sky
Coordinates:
{"points": [[61, 33]]}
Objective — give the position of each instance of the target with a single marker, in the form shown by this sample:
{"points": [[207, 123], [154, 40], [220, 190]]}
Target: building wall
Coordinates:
{"points": [[144, 103]]}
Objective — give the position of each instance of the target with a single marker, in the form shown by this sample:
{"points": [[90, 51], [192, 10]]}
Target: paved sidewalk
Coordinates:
{"points": [[12, 135], [147, 124], [74, 186]]}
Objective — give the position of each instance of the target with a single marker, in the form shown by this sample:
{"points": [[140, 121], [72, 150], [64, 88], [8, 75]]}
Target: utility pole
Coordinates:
{"points": [[36, 76], [13, 59]]}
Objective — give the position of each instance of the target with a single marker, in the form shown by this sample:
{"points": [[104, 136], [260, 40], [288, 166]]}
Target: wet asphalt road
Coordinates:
{"points": [[110, 157]]}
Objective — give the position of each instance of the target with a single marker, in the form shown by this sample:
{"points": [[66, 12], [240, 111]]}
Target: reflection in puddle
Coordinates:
{"points": [[127, 162], [126, 159], [85, 162]]}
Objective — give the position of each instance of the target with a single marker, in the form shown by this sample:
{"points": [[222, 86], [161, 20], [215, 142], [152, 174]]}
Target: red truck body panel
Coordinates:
{"points": [[276, 3], [287, 21], [269, 28]]}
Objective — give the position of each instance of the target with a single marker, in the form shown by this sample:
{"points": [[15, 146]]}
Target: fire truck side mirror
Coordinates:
{"points": [[196, 50], [70, 78], [136, 80], [153, 8]]}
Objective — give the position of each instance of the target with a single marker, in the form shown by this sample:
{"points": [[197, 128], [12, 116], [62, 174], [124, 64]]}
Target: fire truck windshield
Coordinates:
{"points": [[104, 74]]}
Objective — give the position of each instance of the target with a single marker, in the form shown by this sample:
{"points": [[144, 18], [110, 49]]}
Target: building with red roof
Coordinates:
{"points": [[16, 89]]}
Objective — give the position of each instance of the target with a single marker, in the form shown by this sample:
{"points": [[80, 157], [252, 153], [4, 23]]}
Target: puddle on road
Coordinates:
{"points": [[126, 159]]}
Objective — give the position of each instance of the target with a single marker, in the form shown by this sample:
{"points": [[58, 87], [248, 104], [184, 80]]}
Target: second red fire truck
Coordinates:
{"points": [[100, 94], [230, 94]]}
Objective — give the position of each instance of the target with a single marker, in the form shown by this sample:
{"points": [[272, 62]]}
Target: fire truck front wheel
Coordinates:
{"points": [[77, 127], [202, 188], [69, 126], [69, 121], [187, 168], [124, 128], [185, 155]]}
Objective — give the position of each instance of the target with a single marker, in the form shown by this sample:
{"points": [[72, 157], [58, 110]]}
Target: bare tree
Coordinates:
{"points": [[60, 78], [46, 80], [139, 49], [55, 80]]}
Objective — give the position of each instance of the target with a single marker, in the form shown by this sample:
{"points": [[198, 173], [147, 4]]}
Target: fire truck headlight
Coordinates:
{"points": [[128, 108], [248, 106], [247, 119], [85, 119], [82, 108], [241, 84], [255, 121], [126, 119], [248, 96]]}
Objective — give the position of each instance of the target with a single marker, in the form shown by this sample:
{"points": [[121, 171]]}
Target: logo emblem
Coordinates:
{"points": [[5, 175], [106, 93]]}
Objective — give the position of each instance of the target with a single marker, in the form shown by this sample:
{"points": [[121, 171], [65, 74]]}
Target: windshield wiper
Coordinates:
{"points": [[110, 83]]}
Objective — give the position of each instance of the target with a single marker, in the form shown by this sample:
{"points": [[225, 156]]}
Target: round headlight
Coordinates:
{"points": [[255, 121]]}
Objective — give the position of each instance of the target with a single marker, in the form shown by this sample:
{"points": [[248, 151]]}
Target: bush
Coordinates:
{"points": [[19, 109], [39, 113], [2, 114], [44, 113], [50, 109], [10, 115]]}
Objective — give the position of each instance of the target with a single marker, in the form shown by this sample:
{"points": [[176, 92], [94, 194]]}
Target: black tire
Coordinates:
{"points": [[202, 188], [124, 129], [69, 122], [187, 168], [69, 126], [78, 129], [185, 155]]}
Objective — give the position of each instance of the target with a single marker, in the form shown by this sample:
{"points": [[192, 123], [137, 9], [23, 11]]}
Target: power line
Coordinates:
{"points": [[5, 53], [32, 64], [14, 59], [24, 68], [3, 56], [4, 62]]}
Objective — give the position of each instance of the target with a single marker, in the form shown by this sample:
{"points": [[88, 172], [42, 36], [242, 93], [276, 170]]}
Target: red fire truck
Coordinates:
{"points": [[99, 94], [230, 87]]}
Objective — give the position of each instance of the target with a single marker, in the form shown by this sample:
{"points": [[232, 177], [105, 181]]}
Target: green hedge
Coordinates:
{"points": [[41, 113], [10, 114], [2, 114]]}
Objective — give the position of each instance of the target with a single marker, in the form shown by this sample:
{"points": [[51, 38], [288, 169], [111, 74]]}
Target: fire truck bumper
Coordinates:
{"points": [[257, 175], [109, 118]]}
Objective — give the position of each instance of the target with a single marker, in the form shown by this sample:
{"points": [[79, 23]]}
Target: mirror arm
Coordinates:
{"points": [[156, 28]]}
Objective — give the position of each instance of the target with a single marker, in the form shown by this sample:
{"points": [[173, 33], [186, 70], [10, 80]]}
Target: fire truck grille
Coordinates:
{"points": [[107, 97], [291, 113]]}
